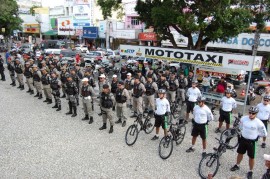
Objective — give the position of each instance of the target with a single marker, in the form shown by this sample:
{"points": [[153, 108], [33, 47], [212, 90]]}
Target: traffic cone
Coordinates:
{"points": [[243, 92]]}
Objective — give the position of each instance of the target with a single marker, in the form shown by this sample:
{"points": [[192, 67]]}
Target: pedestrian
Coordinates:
{"points": [[19, 71], [193, 93], [2, 69], [71, 92], [163, 83], [227, 105], [121, 97], [106, 103], [63, 78], [266, 92], [138, 91], [87, 93], [251, 128], [114, 87], [141, 77], [221, 86], [28, 73], [46, 80], [162, 113], [264, 114], [202, 116], [151, 89], [190, 78], [266, 175], [56, 86], [37, 81], [11, 69], [182, 80], [77, 80]]}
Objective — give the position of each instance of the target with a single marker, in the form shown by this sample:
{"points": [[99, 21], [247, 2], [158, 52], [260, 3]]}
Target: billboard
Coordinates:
{"points": [[81, 12], [65, 26], [90, 32]]}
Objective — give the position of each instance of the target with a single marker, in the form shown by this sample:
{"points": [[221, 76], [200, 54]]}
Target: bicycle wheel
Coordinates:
{"points": [[230, 137], [149, 125], [165, 148], [131, 135], [180, 134], [209, 164]]}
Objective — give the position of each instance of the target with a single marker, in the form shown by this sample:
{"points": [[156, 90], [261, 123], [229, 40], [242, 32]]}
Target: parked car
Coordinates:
{"points": [[26, 48], [260, 85], [97, 55], [256, 76], [68, 54], [114, 55]]}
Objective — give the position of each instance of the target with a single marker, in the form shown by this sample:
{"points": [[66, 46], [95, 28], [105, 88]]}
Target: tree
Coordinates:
{"points": [[9, 17], [108, 5]]}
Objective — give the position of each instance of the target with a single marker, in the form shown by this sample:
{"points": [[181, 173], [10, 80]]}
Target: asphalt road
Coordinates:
{"points": [[38, 142]]}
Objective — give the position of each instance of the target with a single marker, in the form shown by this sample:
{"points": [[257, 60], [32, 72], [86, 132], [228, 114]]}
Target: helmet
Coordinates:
{"points": [[161, 91], [253, 109], [229, 91], [267, 97], [201, 98]]}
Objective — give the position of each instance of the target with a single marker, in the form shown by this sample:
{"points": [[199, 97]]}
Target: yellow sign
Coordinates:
{"points": [[31, 28], [42, 10]]}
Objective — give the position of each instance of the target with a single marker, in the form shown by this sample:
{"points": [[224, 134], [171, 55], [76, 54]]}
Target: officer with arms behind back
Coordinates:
{"points": [[56, 86], [251, 129]]}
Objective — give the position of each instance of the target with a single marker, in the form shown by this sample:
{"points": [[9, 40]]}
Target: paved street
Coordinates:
{"points": [[38, 142]]}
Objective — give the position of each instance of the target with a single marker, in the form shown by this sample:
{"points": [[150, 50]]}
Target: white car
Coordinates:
{"points": [[114, 55], [81, 48]]}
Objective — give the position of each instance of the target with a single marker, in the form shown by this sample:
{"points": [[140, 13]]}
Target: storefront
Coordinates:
{"points": [[90, 34]]}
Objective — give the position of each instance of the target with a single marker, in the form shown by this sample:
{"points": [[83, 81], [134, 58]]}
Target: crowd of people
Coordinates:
{"points": [[152, 92]]}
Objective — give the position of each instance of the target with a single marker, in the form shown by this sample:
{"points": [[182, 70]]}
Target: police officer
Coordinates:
{"points": [[63, 78], [182, 80], [76, 79], [162, 113], [71, 92], [141, 77], [151, 89], [29, 77], [37, 81], [202, 115], [227, 106], [121, 97], [192, 94], [87, 93], [163, 83], [137, 94], [264, 114], [114, 86], [106, 102], [190, 78], [45, 80], [151, 72], [91, 80], [102, 81], [173, 86], [19, 71], [56, 86], [251, 129], [2, 69], [129, 83], [11, 69]]}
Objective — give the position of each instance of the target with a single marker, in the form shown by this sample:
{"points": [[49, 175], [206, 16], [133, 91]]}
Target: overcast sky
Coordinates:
{"points": [[52, 3]]}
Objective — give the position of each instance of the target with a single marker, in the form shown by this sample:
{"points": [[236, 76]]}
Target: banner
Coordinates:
{"points": [[81, 12], [65, 26], [232, 61], [90, 32]]}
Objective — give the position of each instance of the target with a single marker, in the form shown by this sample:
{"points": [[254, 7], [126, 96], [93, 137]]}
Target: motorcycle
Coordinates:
{"points": [[251, 95]]}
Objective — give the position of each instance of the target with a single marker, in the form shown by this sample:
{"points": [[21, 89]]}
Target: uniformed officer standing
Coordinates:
{"points": [[11, 69], [173, 86], [45, 80], [28, 73], [107, 102], [76, 79], [71, 92], [102, 81], [163, 83], [141, 77], [138, 91], [151, 72], [19, 71], [151, 89], [129, 83], [87, 93], [91, 80], [37, 81], [114, 86], [190, 79], [2, 69], [63, 79], [182, 80], [121, 97], [202, 115], [56, 86]]}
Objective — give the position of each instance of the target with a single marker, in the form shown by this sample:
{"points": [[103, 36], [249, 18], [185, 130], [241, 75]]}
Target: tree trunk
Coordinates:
{"points": [[190, 42], [199, 41]]}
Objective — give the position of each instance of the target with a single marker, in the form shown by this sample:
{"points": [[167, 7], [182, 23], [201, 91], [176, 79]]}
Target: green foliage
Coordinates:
{"points": [[9, 17], [107, 6]]}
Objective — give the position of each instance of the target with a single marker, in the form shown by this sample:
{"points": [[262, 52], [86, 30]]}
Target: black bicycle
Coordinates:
{"points": [[175, 109], [133, 131], [176, 133], [231, 136], [210, 163]]}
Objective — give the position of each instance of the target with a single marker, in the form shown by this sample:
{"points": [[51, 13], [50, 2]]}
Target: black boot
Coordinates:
{"points": [[37, 95], [103, 127], [85, 118], [55, 106], [70, 108], [91, 120], [119, 121], [59, 108], [19, 86], [22, 88], [40, 96], [49, 101], [111, 130], [64, 95], [28, 91], [113, 108], [75, 111], [46, 100], [13, 83], [31, 92]]}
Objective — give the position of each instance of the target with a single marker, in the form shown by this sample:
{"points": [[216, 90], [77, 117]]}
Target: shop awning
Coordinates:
{"points": [[50, 32]]}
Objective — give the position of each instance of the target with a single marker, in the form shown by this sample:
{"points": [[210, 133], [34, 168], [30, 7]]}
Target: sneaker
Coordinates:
{"points": [[203, 154], [190, 150], [263, 145], [217, 130], [234, 168], [155, 138], [249, 175], [124, 124]]}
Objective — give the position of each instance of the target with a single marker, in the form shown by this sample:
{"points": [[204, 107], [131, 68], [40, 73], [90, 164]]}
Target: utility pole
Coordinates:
{"points": [[107, 34]]}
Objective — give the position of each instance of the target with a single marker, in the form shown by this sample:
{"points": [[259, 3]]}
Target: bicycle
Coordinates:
{"points": [[133, 131], [210, 163], [231, 135], [177, 133], [175, 109]]}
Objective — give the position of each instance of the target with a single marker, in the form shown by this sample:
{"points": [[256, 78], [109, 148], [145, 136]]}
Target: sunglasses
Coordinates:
{"points": [[252, 113], [266, 100]]}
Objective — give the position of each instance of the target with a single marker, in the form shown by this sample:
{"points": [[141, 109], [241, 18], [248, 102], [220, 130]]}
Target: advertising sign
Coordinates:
{"points": [[31, 28], [147, 36], [65, 26], [90, 32], [81, 11], [81, 23], [232, 61]]}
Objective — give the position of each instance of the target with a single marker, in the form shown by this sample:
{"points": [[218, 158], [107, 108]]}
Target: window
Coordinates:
{"points": [[135, 21]]}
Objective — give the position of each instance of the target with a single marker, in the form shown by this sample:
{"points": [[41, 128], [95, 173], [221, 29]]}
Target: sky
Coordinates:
{"points": [[52, 3]]}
